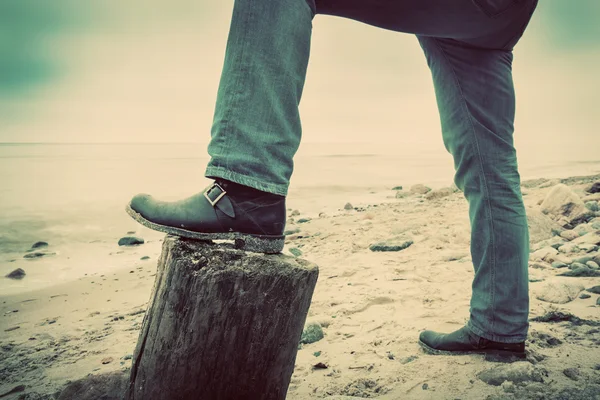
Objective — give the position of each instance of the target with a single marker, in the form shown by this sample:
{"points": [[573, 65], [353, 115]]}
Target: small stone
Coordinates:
{"points": [[145, 258], [295, 213], [568, 248], [425, 386], [303, 220], [558, 292], [577, 265], [558, 264], [107, 360], [592, 205], [130, 241], [594, 188], [562, 201], [38, 245], [128, 357], [544, 253], [581, 272], [420, 189], [569, 234], [131, 232], [544, 339], [391, 245], [508, 387], [390, 355], [38, 254], [12, 328], [408, 359], [313, 332], [438, 194], [296, 251], [592, 264], [584, 296], [397, 188], [18, 273], [594, 289], [571, 373], [598, 301], [348, 206], [291, 231], [402, 194], [320, 365]]}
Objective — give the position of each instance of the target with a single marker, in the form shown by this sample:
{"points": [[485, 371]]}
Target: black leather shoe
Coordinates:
{"points": [[255, 223], [464, 342]]}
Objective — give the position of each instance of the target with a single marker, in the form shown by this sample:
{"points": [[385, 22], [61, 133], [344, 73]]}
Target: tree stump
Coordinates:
{"points": [[221, 324]]}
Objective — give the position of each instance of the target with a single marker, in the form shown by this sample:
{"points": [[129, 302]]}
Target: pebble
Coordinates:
{"points": [[397, 188], [402, 194], [303, 220], [438, 194], [544, 253], [592, 264], [130, 241], [296, 251], [594, 289], [39, 244], [558, 292], [584, 296], [391, 245], [571, 373], [592, 205], [348, 206], [408, 359], [581, 272], [294, 213], [569, 234], [558, 264], [313, 332], [145, 258], [598, 301], [594, 188], [568, 248], [18, 273], [39, 254], [291, 231], [420, 189], [577, 265]]}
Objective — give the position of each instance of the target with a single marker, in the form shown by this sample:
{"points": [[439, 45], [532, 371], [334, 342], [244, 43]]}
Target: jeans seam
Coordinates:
{"points": [[485, 185], [236, 94]]}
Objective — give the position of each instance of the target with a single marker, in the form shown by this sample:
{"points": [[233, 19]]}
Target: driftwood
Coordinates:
{"points": [[221, 324]]}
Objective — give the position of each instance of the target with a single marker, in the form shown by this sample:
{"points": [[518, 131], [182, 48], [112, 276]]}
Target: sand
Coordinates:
{"points": [[371, 306]]}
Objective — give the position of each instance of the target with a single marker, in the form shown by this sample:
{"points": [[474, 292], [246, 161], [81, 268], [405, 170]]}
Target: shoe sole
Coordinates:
{"points": [[490, 354], [244, 241]]}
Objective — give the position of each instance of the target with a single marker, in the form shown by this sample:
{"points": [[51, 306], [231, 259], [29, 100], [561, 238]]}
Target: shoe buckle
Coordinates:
{"points": [[219, 196]]}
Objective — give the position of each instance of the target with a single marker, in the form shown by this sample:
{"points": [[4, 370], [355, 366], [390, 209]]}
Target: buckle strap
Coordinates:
{"points": [[214, 193]]}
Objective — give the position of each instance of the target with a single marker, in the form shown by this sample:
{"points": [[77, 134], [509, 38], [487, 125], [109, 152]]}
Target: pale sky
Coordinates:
{"points": [[142, 71]]}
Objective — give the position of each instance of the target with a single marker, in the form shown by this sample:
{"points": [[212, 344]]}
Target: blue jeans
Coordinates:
{"points": [[468, 46]]}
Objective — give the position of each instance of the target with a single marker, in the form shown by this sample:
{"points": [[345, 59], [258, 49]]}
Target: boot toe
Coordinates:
{"points": [[140, 202], [428, 338]]}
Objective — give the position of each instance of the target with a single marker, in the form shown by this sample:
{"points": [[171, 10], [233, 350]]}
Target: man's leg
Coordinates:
{"points": [[476, 101], [256, 129]]}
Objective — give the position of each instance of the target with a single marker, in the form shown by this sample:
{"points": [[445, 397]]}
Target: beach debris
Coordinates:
{"points": [[420, 189], [130, 241], [391, 245], [313, 332], [40, 244], [438, 193], [517, 372], [558, 292], [571, 373], [18, 273], [348, 206], [594, 188], [39, 254]]}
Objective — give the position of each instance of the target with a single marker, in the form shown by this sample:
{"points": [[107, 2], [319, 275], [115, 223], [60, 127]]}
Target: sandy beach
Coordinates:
{"points": [[370, 305]]}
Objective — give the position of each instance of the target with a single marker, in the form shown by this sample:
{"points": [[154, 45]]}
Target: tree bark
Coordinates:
{"points": [[221, 324]]}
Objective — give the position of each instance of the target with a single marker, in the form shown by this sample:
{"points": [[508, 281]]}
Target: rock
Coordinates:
{"points": [[577, 265], [517, 372], [571, 373], [145, 258], [402, 194], [558, 292], [598, 301], [348, 206], [291, 231], [569, 234], [562, 201], [419, 189], [543, 254], [594, 289], [39, 254], [531, 183], [438, 194], [592, 205], [581, 272], [130, 241], [583, 260], [541, 226], [594, 188], [107, 360], [568, 248], [397, 188], [590, 238], [558, 264], [544, 340], [584, 296], [38, 245], [304, 220], [296, 251], [592, 264], [587, 247], [595, 225], [312, 333], [391, 245], [582, 218], [18, 273], [294, 213]]}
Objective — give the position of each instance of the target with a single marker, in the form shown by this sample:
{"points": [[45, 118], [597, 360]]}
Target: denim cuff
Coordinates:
{"points": [[495, 338], [219, 172]]}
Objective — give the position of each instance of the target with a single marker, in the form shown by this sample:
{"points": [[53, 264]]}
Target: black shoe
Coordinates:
{"points": [[254, 222], [464, 342]]}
